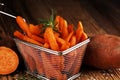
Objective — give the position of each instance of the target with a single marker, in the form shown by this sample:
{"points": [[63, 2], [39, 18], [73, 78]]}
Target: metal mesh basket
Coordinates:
{"points": [[49, 64]]}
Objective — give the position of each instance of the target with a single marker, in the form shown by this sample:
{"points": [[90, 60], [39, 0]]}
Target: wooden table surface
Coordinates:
{"points": [[97, 16]]}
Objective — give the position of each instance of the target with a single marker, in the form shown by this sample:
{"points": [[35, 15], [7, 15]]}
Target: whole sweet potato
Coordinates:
{"points": [[103, 52]]}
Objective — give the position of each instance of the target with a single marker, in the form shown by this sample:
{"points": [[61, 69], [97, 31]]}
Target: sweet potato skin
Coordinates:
{"points": [[103, 52]]}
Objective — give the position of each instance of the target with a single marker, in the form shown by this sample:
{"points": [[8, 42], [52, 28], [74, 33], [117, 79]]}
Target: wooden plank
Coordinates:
{"points": [[4, 78], [102, 12]]}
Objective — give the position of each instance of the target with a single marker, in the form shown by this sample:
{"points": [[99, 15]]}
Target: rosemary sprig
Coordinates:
{"points": [[49, 22]]}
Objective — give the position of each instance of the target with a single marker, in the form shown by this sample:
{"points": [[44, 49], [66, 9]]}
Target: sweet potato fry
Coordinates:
{"points": [[50, 71], [57, 34], [84, 36], [57, 19], [60, 40], [65, 46], [46, 45], [18, 35], [62, 43], [60, 24], [26, 38], [73, 41], [57, 22], [36, 30], [36, 38], [22, 24], [69, 36], [63, 27], [50, 38], [70, 28], [79, 31]]}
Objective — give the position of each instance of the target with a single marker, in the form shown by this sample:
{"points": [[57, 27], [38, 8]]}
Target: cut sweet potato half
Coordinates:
{"points": [[8, 60]]}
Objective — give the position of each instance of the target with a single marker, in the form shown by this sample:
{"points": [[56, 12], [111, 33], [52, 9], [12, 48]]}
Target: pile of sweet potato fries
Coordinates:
{"points": [[66, 35]]}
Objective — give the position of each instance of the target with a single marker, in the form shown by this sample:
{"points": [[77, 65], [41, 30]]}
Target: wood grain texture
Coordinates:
{"points": [[97, 16]]}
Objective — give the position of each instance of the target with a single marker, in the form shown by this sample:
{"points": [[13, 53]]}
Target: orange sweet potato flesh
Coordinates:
{"points": [[8, 60], [103, 52]]}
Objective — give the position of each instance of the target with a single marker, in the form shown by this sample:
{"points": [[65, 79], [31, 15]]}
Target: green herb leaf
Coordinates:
{"points": [[49, 22]]}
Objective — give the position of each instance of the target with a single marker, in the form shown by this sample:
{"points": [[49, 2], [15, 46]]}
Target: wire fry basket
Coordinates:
{"points": [[52, 65]]}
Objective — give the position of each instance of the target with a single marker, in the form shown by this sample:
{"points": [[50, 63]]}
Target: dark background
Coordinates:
{"points": [[98, 16]]}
